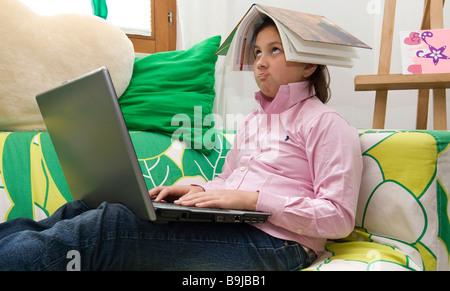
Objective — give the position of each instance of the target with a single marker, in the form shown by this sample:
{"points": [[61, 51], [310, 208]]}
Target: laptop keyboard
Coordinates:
{"points": [[176, 206]]}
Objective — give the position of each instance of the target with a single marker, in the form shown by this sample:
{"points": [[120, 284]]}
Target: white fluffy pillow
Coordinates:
{"points": [[38, 53]]}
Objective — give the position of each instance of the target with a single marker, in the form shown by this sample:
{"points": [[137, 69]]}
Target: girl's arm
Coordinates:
{"points": [[334, 154]]}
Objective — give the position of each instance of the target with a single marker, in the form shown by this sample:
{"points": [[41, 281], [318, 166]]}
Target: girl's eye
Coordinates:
{"points": [[257, 53], [276, 50]]}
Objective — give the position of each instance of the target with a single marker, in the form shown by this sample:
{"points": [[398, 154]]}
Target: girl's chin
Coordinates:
{"points": [[270, 94], [267, 89]]}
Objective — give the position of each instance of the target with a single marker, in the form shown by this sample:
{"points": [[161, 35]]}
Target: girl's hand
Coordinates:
{"points": [[227, 199], [171, 193]]}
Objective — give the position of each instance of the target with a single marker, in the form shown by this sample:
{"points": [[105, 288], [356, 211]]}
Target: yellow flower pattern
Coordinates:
{"points": [[402, 219]]}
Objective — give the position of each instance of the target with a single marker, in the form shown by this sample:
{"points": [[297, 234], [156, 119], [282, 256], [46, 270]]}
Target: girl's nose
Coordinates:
{"points": [[261, 63]]}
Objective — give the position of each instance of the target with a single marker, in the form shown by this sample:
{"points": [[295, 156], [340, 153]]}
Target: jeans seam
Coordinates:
{"points": [[299, 255]]}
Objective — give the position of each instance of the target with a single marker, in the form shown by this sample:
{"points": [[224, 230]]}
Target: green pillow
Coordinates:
{"points": [[173, 93]]}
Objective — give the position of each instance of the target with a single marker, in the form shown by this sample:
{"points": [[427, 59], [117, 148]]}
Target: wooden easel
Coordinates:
{"points": [[433, 18]]}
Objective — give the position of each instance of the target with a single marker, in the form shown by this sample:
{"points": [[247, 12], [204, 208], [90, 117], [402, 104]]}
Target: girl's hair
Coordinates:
{"points": [[319, 80]]}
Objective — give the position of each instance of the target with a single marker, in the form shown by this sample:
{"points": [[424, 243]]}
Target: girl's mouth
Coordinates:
{"points": [[263, 76]]}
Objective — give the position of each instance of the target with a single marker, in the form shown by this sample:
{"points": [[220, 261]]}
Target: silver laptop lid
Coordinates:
{"points": [[89, 146]]}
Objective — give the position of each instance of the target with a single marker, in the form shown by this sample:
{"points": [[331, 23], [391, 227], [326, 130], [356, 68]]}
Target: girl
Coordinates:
{"points": [[293, 157], [309, 181]]}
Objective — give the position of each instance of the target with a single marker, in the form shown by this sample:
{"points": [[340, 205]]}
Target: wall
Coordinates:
{"points": [[200, 19]]}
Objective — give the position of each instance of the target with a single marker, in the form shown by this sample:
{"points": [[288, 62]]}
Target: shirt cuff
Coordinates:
{"points": [[272, 203]]}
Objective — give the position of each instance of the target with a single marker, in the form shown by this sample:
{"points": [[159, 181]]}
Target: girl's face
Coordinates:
{"points": [[270, 67]]}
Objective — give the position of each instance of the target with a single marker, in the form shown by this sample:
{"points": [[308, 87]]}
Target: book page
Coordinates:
{"points": [[319, 48], [313, 28], [244, 48], [313, 55], [305, 37]]}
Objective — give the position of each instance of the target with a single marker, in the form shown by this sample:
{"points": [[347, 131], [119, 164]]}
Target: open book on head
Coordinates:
{"points": [[306, 38]]}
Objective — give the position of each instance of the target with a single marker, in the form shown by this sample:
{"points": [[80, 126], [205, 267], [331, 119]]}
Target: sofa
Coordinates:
{"points": [[402, 220]]}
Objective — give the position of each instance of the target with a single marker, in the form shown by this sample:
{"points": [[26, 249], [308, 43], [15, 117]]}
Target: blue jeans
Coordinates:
{"points": [[111, 237]]}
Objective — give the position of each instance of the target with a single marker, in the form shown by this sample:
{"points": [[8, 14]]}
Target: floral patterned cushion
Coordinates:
{"points": [[402, 220]]}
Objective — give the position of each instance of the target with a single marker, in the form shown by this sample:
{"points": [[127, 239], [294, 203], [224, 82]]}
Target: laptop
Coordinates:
{"points": [[94, 148]]}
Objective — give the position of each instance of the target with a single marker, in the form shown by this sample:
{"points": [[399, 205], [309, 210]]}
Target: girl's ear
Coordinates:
{"points": [[309, 70]]}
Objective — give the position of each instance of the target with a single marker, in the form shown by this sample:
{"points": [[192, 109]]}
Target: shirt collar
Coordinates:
{"points": [[287, 96]]}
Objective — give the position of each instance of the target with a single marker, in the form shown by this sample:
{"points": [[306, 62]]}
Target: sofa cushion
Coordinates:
{"points": [[32, 183], [402, 218], [364, 256], [40, 52], [173, 93], [403, 205]]}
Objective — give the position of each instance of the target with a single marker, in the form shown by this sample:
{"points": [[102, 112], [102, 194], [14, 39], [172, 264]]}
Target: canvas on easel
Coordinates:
{"points": [[425, 51], [433, 18]]}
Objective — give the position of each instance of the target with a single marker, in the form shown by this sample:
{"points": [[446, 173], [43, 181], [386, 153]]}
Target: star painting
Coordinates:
{"points": [[435, 54], [424, 52]]}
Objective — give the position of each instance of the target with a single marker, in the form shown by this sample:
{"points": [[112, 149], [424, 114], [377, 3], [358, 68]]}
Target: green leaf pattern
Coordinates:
{"points": [[402, 220]]}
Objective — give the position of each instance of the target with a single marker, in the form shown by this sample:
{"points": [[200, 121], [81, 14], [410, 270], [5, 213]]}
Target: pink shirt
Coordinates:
{"points": [[305, 161]]}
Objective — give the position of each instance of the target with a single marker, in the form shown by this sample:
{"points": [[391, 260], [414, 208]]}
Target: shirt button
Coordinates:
{"points": [[299, 231], [255, 154], [243, 168]]}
